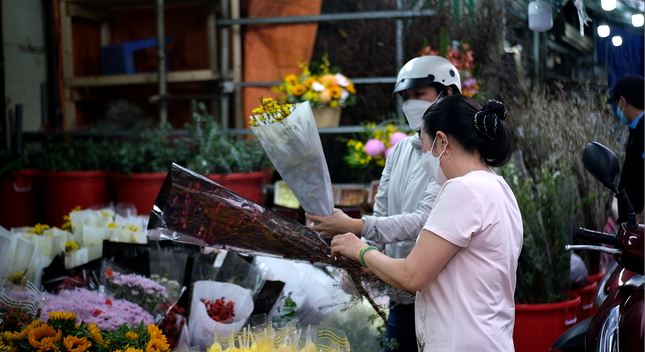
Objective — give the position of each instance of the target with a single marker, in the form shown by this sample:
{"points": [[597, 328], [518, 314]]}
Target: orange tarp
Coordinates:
{"points": [[274, 50]]}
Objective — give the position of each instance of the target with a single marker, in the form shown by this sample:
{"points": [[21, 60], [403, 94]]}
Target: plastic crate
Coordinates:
{"points": [[119, 58]]}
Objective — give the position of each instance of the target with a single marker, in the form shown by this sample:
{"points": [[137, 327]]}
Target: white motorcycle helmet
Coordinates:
{"points": [[424, 70]]}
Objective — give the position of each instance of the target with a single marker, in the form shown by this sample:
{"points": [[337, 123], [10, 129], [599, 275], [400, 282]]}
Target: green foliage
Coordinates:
{"points": [[547, 203], [216, 153], [149, 150], [76, 155]]}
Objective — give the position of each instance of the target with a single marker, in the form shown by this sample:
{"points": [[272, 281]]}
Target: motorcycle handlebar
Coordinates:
{"points": [[596, 236]]}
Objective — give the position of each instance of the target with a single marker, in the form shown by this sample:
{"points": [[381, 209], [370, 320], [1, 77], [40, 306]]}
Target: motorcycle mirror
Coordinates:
{"points": [[602, 163]]}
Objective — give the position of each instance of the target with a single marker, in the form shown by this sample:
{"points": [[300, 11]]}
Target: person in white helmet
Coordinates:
{"points": [[406, 191]]}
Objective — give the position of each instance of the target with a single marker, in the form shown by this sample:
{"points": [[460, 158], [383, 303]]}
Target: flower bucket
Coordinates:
{"points": [[537, 326], [327, 116], [139, 189], [248, 185], [65, 190], [20, 205], [587, 295]]}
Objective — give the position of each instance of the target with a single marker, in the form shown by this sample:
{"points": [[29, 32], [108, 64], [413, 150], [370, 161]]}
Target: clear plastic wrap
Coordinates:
{"points": [[294, 147], [193, 209]]}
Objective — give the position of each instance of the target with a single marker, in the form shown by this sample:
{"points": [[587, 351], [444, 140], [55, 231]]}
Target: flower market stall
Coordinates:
{"points": [[208, 270]]}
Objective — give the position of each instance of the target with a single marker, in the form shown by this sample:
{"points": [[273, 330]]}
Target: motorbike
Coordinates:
{"points": [[617, 325]]}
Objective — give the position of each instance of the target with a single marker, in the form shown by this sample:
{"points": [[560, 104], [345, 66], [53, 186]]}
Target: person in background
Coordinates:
{"points": [[406, 191], [463, 265], [628, 96]]}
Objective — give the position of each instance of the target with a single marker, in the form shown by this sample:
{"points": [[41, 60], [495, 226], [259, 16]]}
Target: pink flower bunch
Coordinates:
{"points": [[375, 147], [94, 307]]}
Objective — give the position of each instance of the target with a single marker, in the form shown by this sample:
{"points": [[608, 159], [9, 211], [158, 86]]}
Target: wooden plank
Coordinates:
{"points": [[84, 11], [142, 78], [69, 108]]}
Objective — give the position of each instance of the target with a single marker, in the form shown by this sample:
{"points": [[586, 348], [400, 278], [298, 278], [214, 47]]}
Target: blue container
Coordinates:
{"points": [[119, 58]]}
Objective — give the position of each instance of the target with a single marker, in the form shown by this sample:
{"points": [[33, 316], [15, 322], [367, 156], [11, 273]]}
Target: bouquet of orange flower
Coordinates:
{"points": [[320, 84]]}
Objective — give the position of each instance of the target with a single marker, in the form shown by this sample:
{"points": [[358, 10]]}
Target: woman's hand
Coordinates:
{"points": [[348, 245], [337, 223]]}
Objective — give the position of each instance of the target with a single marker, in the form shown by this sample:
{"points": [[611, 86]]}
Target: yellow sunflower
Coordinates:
{"points": [[95, 332], [76, 344], [291, 79], [299, 89], [43, 336], [131, 335]]}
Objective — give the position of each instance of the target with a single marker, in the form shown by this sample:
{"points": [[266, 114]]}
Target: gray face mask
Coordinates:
{"points": [[430, 163]]}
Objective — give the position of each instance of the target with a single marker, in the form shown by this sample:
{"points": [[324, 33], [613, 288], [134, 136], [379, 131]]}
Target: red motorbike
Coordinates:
{"points": [[618, 325]]}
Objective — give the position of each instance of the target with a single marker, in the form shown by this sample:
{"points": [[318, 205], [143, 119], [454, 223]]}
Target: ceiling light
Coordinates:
{"points": [[617, 40], [603, 31], [608, 5], [638, 20]]}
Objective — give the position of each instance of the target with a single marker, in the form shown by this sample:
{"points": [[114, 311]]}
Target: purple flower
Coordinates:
{"points": [[94, 307]]}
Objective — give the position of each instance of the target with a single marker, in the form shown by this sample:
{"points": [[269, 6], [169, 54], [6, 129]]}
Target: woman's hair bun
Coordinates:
{"points": [[488, 121], [496, 107]]}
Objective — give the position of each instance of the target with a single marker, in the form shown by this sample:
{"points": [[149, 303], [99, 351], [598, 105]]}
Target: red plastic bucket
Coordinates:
{"points": [[248, 185], [587, 295], [537, 326], [139, 189], [20, 203], [65, 190]]}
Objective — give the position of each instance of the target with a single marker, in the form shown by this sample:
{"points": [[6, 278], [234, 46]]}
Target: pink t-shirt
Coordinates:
{"points": [[469, 306]]}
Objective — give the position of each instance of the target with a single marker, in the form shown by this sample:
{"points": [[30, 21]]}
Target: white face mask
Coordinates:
{"points": [[413, 110], [430, 163]]}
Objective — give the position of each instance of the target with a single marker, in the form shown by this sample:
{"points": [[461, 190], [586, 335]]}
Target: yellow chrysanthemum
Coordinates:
{"points": [[350, 88], [131, 335], [112, 225], [39, 229], [43, 335], [76, 344], [95, 332], [71, 245], [310, 80]]}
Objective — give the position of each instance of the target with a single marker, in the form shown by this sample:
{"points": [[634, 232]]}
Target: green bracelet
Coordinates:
{"points": [[362, 253]]}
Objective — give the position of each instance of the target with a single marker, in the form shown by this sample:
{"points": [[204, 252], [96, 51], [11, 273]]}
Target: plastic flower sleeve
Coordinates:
{"points": [[193, 209], [294, 147]]}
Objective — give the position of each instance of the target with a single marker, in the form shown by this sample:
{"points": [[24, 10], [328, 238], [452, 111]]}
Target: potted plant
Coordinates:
{"points": [[140, 163], [73, 173], [556, 195], [542, 296], [323, 86], [240, 165]]}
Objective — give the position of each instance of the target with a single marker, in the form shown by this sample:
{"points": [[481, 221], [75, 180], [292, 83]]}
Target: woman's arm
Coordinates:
{"points": [[428, 257]]}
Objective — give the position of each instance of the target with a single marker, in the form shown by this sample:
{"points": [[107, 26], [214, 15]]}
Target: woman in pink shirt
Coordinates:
{"points": [[463, 265]]}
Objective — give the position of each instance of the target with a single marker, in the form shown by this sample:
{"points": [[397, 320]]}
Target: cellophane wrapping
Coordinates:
{"points": [[294, 147]]}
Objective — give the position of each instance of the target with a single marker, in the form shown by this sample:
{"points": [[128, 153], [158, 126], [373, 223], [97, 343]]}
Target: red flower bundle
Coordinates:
{"points": [[220, 310]]}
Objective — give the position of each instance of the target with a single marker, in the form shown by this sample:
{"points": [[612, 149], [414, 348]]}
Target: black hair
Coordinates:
{"points": [[475, 128]]}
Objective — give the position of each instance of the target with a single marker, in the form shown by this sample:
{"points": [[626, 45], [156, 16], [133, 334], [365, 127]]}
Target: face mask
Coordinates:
{"points": [[621, 116], [431, 165], [413, 110]]}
